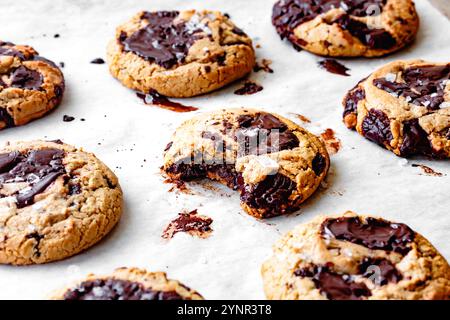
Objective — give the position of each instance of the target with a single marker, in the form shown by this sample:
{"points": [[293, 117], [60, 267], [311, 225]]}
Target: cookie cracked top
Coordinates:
{"points": [[30, 85], [355, 257], [128, 284], [346, 28], [179, 53], [55, 201], [405, 107], [271, 161]]}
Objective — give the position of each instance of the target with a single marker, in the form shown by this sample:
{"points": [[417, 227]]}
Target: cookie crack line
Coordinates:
{"points": [[252, 152]]}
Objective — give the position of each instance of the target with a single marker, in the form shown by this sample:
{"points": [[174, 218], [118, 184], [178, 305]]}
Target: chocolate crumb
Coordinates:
{"points": [[62, 64], [98, 61], [67, 118], [56, 35], [333, 66], [190, 222], [248, 88]]}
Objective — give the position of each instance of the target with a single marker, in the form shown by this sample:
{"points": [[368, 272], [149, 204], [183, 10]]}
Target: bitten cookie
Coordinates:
{"points": [[347, 28], [128, 284], [271, 161], [354, 257], [404, 107], [179, 54], [55, 201], [30, 85]]}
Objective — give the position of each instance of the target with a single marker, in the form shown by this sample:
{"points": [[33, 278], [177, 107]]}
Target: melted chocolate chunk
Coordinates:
{"points": [[163, 40], [38, 168], [116, 289], [155, 98], [415, 140], [380, 271], [373, 38], [272, 194], [351, 100], [376, 126], [6, 50], [318, 164], [189, 222], [333, 66], [422, 86], [289, 14], [25, 78], [335, 286], [249, 87], [6, 118], [375, 234]]}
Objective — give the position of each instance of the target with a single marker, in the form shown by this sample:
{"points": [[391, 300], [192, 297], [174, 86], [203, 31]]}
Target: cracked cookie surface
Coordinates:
{"points": [[179, 54], [346, 28], [30, 85], [128, 284], [404, 107], [355, 257], [55, 201], [273, 163]]}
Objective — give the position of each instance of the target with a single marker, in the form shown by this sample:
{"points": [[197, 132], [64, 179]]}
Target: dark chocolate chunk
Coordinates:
{"points": [[422, 86], [37, 237], [333, 66], [98, 61], [375, 234], [39, 168], [373, 38], [289, 14], [117, 289], [6, 118], [376, 126], [318, 164], [335, 286], [351, 100], [380, 271], [25, 78], [272, 194], [249, 87], [74, 188], [155, 98], [163, 40], [415, 140]]}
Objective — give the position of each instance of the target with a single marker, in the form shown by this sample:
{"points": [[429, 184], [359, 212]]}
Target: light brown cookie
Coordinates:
{"points": [[128, 284], [179, 54], [30, 85], [274, 163], [55, 201], [404, 107], [354, 257], [347, 28]]}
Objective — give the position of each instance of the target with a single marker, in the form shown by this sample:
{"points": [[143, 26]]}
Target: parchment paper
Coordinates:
{"points": [[130, 137]]}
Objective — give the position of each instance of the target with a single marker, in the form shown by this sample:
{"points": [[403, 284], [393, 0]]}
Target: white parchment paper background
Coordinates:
{"points": [[123, 132]]}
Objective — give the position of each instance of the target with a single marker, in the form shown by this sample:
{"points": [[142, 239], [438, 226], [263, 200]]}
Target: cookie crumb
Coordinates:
{"points": [[427, 170], [332, 143]]}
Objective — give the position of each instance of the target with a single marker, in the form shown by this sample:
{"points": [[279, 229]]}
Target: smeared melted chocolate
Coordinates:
{"points": [[249, 87], [335, 286], [37, 168], [116, 289], [189, 222], [163, 40], [289, 14], [422, 86], [334, 66], [155, 98], [374, 233]]}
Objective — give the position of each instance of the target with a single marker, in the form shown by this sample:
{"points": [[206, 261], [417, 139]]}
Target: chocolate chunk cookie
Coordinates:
{"points": [[346, 28], [271, 161], [354, 257], [404, 107], [179, 54], [128, 284], [55, 201], [30, 85]]}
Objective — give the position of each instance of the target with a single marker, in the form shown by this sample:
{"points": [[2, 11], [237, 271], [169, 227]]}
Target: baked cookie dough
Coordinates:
{"points": [[273, 163], [354, 257], [404, 107], [347, 28], [55, 201], [128, 284], [179, 54], [30, 85]]}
